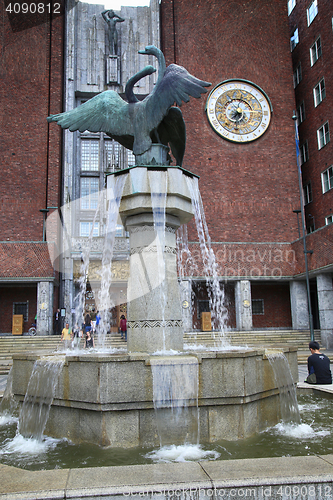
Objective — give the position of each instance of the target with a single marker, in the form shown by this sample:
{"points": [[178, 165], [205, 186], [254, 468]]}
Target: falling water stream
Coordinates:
{"points": [[287, 389], [39, 396], [84, 269], [175, 388], [159, 185], [105, 302], [215, 291]]}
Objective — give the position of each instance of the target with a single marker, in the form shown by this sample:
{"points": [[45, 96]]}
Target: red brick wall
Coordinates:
{"points": [[31, 88], [250, 190], [315, 117], [277, 312]]}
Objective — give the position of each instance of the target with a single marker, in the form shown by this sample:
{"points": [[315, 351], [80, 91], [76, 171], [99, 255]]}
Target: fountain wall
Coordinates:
{"points": [[108, 399]]}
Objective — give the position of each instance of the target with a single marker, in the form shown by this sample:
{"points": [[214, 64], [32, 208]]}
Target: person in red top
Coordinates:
{"points": [[123, 327]]}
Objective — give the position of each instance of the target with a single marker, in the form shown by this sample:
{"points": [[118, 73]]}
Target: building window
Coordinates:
{"points": [[329, 220], [86, 227], [291, 5], [257, 306], [21, 308], [319, 92], [327, 179], [323, 135], [315, 51], [119, 231], [304, 152], [112, 149], [307, 190], [297, 75], [90, 154], [300, 113], [294, 39], [312, 11], [89, 193], [130, 158]]}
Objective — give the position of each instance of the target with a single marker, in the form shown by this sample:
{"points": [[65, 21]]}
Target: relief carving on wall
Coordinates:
{"points": [[119, 269]]}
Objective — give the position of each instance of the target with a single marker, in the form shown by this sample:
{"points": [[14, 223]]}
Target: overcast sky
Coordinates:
{"points": [[116, 4]]}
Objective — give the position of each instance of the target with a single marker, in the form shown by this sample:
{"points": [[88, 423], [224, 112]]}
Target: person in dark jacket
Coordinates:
{"points": [[123, 327], [319, 364]]}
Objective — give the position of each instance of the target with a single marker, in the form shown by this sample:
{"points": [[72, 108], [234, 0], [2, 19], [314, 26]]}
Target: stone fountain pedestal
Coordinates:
{"points": [[154, 198]]}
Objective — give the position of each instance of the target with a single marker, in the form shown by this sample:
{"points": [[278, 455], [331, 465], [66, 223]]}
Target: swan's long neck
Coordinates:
{"points": [[147, 70], [161, 63]]}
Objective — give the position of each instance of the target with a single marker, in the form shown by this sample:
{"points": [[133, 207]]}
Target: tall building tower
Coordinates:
{"points": [[311, 35], [242, 144], [31, 88]]}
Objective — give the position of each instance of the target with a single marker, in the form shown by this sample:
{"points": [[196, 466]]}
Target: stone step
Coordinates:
{"points": [[18, 344]]}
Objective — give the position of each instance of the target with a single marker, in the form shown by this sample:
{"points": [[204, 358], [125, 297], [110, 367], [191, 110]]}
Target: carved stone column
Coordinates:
{"points": [[154, 312], [243, 305]]}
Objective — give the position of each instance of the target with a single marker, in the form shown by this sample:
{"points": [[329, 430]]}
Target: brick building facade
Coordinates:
{"points": [[31, 75], [249, 190], [311, 35]]}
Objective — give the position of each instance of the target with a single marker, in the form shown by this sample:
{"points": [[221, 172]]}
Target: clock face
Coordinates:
{"points": [[238, 111]]}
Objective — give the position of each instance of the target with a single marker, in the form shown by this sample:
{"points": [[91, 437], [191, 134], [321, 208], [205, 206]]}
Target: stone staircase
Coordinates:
{"points": [[10, 345], [264, 338], [279, 338]]}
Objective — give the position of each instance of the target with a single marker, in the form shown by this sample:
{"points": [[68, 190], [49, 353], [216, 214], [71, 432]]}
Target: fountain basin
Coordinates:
{"points": [[107, 399]]}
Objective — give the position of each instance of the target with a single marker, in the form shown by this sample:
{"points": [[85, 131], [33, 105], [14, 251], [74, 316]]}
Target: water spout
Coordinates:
{"points": [[215, 290], [175, 393], [285, 383], [39, 396], [115, 188]]}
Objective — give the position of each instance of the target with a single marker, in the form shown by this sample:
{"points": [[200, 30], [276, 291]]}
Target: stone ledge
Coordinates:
{"points": [[262, 478]]}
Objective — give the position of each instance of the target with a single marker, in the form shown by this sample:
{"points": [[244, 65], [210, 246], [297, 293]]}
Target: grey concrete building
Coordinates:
{"points": [[101, 53]]}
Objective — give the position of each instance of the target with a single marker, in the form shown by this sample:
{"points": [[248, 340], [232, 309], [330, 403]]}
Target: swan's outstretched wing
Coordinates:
{"points": [[176, 86], [106, 112]]}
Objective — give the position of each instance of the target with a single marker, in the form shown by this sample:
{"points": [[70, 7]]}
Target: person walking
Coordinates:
{"points": [[123, 327], [57, 322]]}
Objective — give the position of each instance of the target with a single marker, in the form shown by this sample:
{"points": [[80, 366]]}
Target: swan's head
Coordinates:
{"points": [[150, 50]]}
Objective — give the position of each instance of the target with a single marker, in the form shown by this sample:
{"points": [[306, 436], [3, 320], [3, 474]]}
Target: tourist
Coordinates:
{"points": [[66, 335], [76, 337], [87, 323], [57, 322], [123, 327], [93, 319], [319, 364], [98, 318], [89, 341]]}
